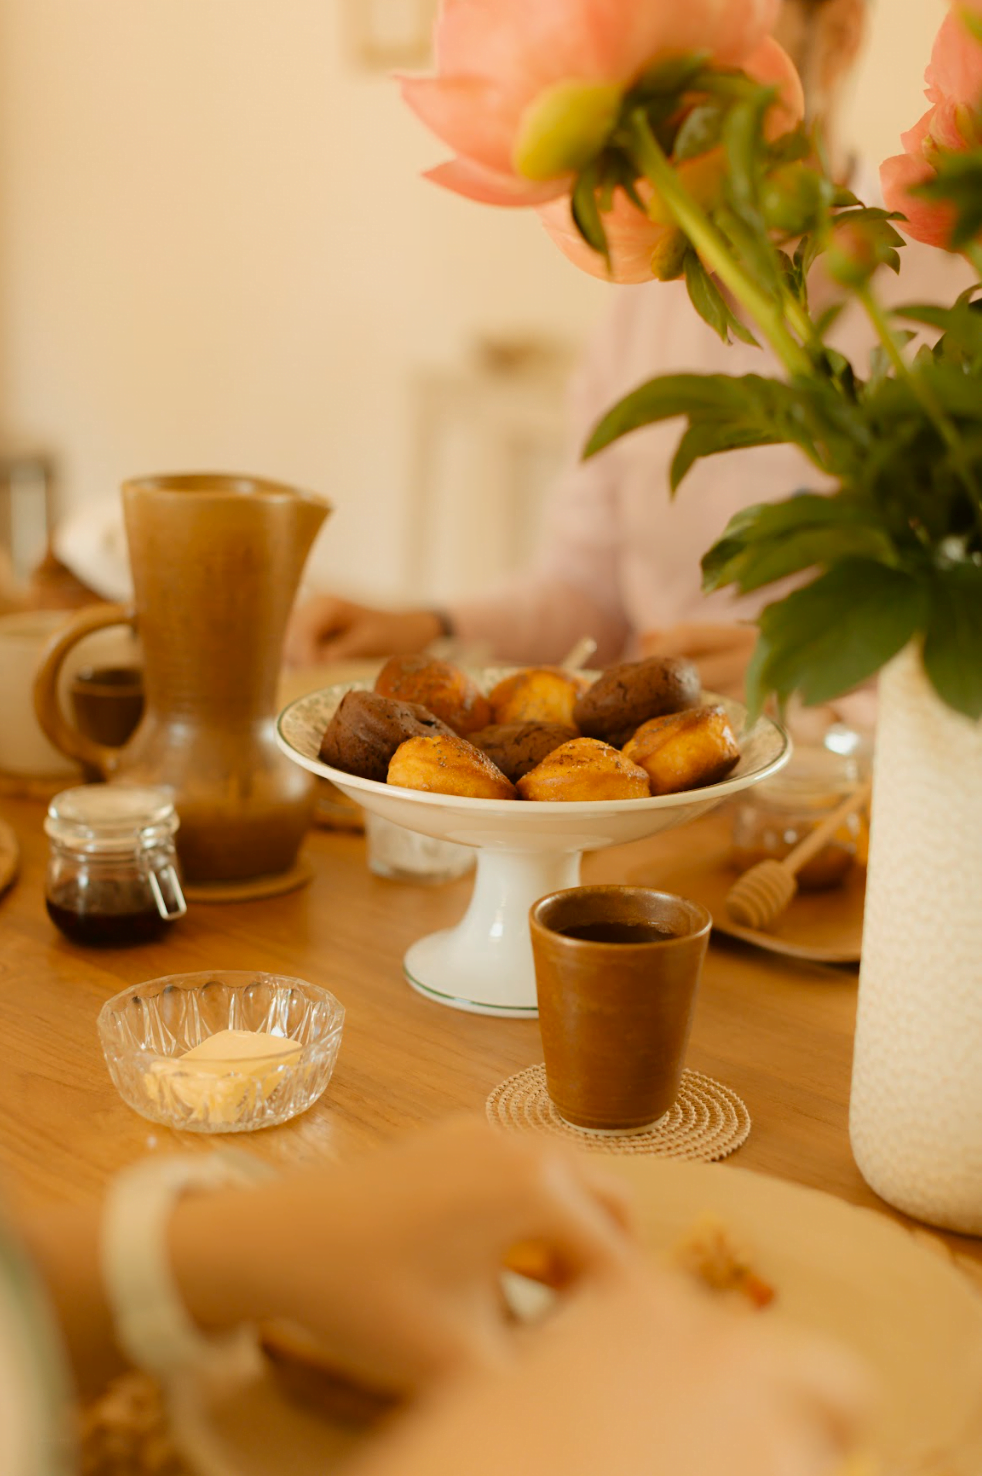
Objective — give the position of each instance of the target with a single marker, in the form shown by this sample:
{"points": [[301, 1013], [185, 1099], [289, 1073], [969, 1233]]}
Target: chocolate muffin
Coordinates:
{"points": [[366, 730], [625, 696], [517, 748]]}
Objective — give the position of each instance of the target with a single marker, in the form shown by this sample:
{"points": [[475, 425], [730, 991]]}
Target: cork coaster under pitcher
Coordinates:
{"points": [[216, 563]]}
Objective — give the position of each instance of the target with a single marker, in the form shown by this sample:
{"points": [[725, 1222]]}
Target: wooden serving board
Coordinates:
{"points": [[822, 927]]}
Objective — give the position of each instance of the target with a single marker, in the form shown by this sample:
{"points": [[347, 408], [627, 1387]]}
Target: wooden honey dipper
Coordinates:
{"points": [[763, 892]]}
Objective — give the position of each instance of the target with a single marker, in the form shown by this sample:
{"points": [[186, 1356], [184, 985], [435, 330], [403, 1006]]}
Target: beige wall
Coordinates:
{"points": [[215, 249], [888, 93], [217, 252]]}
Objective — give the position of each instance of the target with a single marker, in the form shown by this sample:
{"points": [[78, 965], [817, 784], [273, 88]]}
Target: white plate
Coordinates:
{"points": [[850, 1273]]}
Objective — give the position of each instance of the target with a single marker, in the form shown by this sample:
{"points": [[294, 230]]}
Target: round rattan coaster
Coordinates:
{"points": [[707, 1122]]}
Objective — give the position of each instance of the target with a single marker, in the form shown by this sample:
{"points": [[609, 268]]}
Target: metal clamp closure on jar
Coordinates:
{"points": [[112, 873]]}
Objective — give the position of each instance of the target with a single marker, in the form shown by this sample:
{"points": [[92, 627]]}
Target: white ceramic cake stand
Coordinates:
{"points": [[524, 851]]}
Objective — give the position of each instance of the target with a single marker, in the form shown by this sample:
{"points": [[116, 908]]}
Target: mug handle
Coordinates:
{"points": [[63, 734]]}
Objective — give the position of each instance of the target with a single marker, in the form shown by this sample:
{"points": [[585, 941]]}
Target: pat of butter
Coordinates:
{"points": [[226, 1079], [243, 1046]]}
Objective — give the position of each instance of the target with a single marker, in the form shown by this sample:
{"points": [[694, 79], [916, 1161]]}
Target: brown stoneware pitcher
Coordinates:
{"points": [[216, 563]]}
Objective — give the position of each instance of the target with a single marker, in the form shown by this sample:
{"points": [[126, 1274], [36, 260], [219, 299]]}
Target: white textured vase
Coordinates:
{"points": [[916, 1105]]}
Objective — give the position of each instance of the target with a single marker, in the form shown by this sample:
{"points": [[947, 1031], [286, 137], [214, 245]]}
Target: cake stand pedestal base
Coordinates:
{"points": [[484, 965]]}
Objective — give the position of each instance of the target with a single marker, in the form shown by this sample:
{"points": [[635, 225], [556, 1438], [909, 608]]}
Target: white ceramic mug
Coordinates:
{"points": [[24, 750]]}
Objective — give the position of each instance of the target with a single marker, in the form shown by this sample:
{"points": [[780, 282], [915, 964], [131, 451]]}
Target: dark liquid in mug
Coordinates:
{"points": [[619, 932]]}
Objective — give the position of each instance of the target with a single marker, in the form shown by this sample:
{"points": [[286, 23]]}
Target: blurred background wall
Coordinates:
{"points": [[215, 251]]}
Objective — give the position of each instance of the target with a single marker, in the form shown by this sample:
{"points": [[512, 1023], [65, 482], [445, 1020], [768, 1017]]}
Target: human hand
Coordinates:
{"points": [[394, 1263], [325, 629], [721, 652], [641, 1376]]}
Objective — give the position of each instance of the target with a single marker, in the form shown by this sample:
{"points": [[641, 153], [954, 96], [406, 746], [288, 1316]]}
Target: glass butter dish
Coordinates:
{"points": [[221, 1052]]}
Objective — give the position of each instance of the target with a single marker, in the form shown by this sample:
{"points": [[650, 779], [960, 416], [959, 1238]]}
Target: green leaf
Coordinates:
{"points": [[840, 630], [586, 212], [789, 147], [880, 361], [953, 642], [773, 540], [665, 398], [743, 135], [808, 250], [961, 327], [710, 303], [700, 132], [677, 74], [710, 438], [957, 182], [754, 682], [871, 213], [814, 548]]}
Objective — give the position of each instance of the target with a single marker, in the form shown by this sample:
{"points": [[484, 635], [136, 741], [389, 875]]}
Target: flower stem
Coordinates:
{"points": [[923, 393], [713, 249], [974, 253]]}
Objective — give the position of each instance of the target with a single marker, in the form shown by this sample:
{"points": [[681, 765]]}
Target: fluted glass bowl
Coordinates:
{"points": [[145, 1030]]}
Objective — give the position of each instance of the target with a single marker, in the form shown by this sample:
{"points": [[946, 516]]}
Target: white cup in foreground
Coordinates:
{"points": [[24, 750]]}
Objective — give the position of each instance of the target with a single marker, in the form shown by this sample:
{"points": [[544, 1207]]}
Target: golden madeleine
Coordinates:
{"points": [[685, 750], [538, 694], [446, 764], [443, 689], [584, 769]]}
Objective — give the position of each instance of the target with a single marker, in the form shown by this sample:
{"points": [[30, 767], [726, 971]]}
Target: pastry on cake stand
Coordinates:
{"points": [[524, 850]]}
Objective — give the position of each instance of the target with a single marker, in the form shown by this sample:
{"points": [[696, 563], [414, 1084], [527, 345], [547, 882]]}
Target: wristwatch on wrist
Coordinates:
{"points": [[152, 1325], [446, 622]]}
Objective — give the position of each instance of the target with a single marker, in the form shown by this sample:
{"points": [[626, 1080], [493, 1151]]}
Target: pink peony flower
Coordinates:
{"points": [[526, 91], [638, 246], [646, 246], [953, 122]]}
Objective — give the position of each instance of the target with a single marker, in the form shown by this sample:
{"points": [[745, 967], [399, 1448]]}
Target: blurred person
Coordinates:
{"points": [[394, 1265]]}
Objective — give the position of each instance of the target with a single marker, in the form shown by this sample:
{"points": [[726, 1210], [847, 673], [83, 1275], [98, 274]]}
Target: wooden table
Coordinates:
{"points": [[778, 1032]]}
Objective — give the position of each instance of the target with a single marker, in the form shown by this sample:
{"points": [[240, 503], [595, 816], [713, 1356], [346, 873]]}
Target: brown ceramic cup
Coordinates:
{"points": [[617, 970], [107, 702]]}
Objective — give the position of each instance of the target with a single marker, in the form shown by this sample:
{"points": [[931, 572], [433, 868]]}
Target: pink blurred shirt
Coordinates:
{"points": [[618, 557]]}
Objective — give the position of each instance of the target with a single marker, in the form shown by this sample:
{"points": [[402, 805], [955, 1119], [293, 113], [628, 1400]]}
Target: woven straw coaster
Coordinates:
{"points": [[707, 1122]]}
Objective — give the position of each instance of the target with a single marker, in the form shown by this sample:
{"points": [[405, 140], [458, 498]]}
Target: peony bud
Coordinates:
{"points": [[564, 128], [857, 249], [795, 199], [668, 257]]}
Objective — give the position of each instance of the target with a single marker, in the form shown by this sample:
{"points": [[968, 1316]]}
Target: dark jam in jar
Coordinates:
{"points": [[108, 914], [112, 868]]}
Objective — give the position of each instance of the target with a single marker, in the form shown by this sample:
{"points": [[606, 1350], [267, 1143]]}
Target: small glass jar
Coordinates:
{"points": [[112, 869], [777, 815], [404, 855]]}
